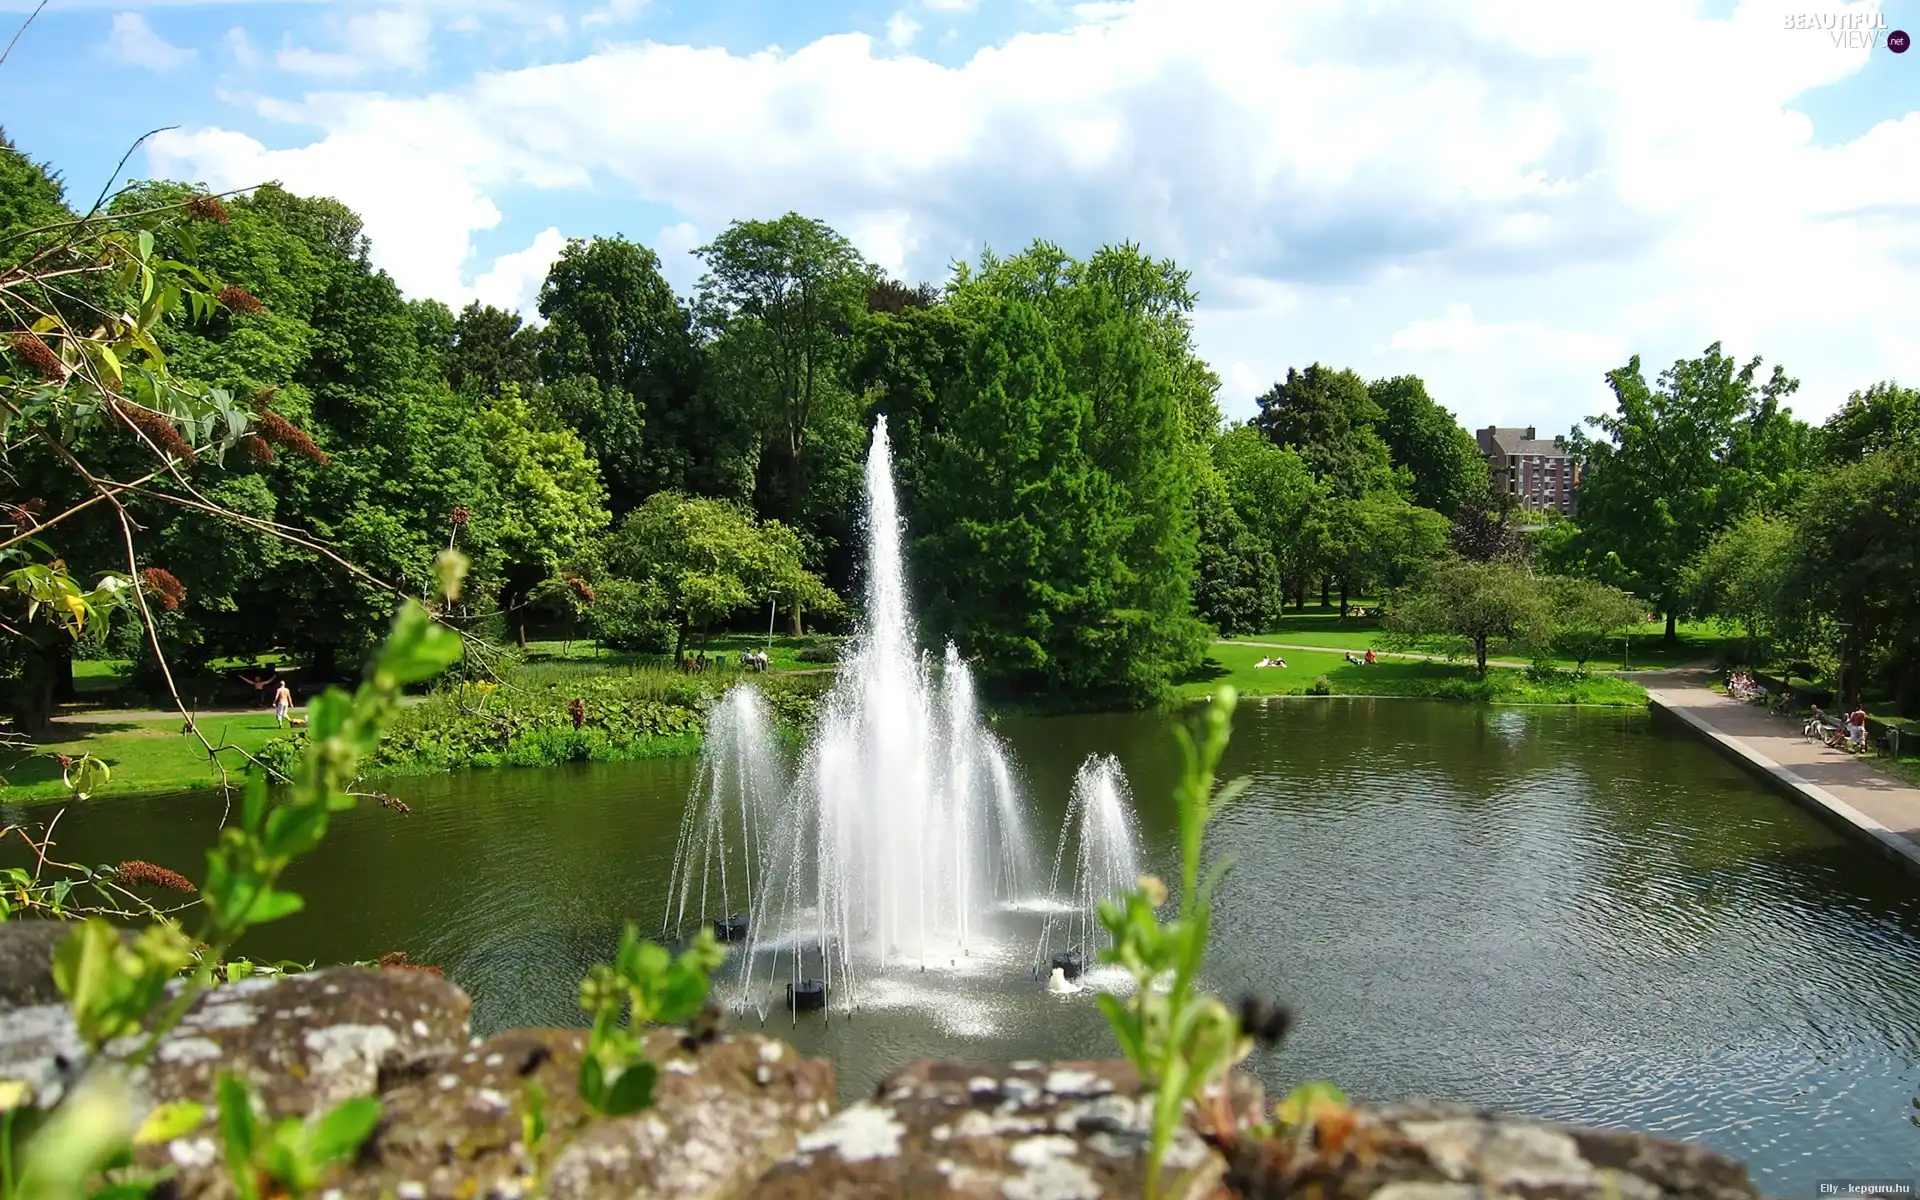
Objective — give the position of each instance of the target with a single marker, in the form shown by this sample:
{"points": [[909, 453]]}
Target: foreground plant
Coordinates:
{"points": [[652, 986], [114, 988], [1183, 1041]]}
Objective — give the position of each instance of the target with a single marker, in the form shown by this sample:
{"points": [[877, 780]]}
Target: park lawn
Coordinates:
{"points": [[145, 756], [1697, 641], [781, 654], [1233, 664]]}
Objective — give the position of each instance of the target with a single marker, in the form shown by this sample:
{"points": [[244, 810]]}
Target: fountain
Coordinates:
{"points": [[1099, 824], [723, 831], [901, 835]]}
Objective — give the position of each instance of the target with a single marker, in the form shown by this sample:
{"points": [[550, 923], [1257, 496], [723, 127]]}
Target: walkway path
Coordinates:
{"points": [[1852, 793]]}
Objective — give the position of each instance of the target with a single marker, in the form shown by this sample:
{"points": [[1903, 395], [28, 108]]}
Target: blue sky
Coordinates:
{"points": [[1507, 197]]}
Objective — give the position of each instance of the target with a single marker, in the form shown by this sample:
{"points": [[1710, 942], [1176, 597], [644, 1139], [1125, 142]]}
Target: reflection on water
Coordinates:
{"points": [[1578, 915]]}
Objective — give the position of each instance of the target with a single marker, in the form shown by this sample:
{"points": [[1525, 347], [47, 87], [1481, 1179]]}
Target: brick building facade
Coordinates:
{"points": [[1539, 473]]}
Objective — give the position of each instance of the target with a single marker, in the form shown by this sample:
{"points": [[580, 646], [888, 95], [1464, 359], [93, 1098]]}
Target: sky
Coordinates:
{"points": [[1508, 198]]}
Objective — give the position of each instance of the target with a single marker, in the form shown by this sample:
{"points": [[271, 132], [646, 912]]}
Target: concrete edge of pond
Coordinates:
{"points": [[1819, 800]]}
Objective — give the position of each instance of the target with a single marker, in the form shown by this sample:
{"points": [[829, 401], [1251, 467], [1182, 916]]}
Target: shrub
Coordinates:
{"points": [[626, 616], [1322, 686], [818, 650]]}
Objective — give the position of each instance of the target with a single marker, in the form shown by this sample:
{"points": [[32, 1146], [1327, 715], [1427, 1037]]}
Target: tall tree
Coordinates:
{"points": [[491, 348], [1448, 469], [1328, 418], [1018, 538], [781, 296], [1118, 324], [654, 424], [1656, 485]]}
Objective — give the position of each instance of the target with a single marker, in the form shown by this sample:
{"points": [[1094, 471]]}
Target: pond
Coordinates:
{"points": [[1580, 915]]}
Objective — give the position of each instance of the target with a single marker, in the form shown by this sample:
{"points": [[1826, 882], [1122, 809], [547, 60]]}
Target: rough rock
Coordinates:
{"points": [[1443, 1152], [306, 1042], [723, 1113], [1029, 1131], [26, 962]]}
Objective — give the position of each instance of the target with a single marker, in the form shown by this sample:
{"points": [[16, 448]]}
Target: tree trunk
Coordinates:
{"points": [[523, 634], [63, 689], [1326, 593], [1343, 599], [1906, 689], [1480, 653], [795, 625], [1673, 632], [33, 693], [680, 642]]}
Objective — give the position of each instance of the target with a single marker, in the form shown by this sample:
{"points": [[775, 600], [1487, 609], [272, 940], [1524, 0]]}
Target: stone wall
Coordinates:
{"points": [[746, 1116]]}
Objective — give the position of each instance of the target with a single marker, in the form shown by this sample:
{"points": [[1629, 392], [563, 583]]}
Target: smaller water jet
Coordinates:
{"points": [[721, 853], [1099, 824]]}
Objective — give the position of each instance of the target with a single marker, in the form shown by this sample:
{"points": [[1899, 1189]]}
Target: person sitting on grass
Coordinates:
{"points": [[1353, 660], [1369, 655]]}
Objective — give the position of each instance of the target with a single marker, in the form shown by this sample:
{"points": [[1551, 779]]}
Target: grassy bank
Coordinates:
{"points": [[635, 707], [1647, 650], [1234, 664], [631, 707]]}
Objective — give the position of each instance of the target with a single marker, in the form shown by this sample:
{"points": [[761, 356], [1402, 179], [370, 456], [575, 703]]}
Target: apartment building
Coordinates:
{"points": [[1540, 473]]}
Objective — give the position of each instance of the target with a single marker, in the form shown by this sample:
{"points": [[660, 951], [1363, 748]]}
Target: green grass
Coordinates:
{"points": [[1231, 664], [145, 756], [1698, 641], [781, 655]]}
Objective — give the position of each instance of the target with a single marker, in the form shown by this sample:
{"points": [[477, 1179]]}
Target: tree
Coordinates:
{"points": [[704, 559], [1657, 484], [1739, 576], [1587, 614], [1236, 586], [1018, 537], [1856, 569], [1272, 490], [547, 501], [491, 348], [1884, 416], [1473, 603], [1117, 327], [781, 296], [651, 419], [1328, 418], [1449, 473], [1487, 528]]}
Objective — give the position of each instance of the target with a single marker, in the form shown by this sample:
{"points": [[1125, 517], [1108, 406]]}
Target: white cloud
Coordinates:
{"points": [[134, 41], [245, 53], [396, 38], [1336, 175], [616, 12], [901, 30], [953, 5], [514, 281]]}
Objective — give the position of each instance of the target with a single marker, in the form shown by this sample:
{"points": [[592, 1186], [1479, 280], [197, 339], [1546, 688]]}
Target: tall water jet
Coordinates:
{"points": [[898, 833], [1099, 825], [722, 848]]}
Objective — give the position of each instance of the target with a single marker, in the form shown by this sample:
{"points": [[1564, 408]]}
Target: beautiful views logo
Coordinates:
{"points": [[1852, 30]]}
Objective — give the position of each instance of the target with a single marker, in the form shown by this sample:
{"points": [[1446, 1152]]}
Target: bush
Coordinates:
{"points": [[1322, 686], [625, 616], [818, 650]]}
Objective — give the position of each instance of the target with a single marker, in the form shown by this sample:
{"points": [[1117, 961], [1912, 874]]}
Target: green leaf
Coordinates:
{"points": [[170, 1121], [146, 243], [272, 904], [1126, 1028], [632, 1091], [342, 1131], [294, 829], [237, 1131], [592, 1081], [253, 808], [417, 649]]}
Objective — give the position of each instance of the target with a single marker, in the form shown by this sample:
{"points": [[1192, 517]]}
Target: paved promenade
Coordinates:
{"points": [[1851, 793]]}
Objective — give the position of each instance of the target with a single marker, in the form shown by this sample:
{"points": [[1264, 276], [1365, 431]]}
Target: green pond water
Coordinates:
{"points": [[1580, 915]]}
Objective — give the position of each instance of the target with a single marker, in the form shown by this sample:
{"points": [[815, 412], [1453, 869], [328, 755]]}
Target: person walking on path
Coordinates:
{"points": [[282, 702], [1857, 727]]}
